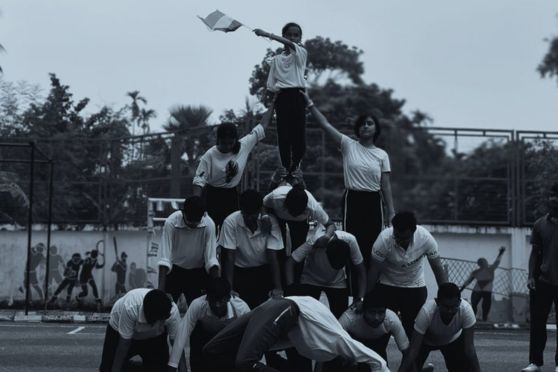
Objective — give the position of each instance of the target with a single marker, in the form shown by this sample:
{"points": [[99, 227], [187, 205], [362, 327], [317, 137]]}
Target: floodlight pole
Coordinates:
{"points": [[29, 226], [49, 230]]}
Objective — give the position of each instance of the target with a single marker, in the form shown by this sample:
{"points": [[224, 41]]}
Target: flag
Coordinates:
{"points": [[220, 21]]}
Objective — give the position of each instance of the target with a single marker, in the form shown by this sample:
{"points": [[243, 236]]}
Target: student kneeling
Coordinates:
{"points": [[446, 324], [139, 324]]}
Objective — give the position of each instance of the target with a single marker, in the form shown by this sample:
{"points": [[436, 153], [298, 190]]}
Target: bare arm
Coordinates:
{"points": [[360, 271], [268, 115], [282, 40], [289, 271], [407, 364], [321, 119], [121, 354], [196, 190], [228, 258], [386, 193], [470, 351], [498, 258], [438, 270], [375, 268]]}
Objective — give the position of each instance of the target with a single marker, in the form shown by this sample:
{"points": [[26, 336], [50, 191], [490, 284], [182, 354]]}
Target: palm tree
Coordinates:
{"points": [[183, 119], [2, 49], [135, 107]]}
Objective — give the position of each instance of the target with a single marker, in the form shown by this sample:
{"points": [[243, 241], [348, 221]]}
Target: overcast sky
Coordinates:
{"points": [[466, 63]]}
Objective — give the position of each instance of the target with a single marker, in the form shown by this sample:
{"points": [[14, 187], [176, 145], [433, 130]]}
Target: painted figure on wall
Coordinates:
{"points": [[137, 277], [36, 259], [54, 264], [86, 276], [120, 267], [70, 278]]}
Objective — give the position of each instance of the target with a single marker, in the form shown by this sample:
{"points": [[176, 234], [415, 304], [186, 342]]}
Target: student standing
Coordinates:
{"points": [[484, 276], [366, 173], [286, 78], [543, 280]]}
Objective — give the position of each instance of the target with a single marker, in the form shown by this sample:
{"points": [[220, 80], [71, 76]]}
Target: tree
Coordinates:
{"points": [[549, 65]]}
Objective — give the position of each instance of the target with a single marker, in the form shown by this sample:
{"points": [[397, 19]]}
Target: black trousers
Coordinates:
{"points": [[406, 301], [70, 283], [338, 298], [486, 297], [220, 202], [243, 342], [298, 233], [453, 353], [191, 282], [291, 127], [362, 217], [253, 284], [541, 302], [154, 352], [84, 290]]}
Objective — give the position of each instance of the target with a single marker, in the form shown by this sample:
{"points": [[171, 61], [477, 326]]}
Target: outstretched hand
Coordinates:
{"points": [[260, 32]]}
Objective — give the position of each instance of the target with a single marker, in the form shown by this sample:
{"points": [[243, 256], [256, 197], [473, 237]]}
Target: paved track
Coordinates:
{"points": [[49, 347]]}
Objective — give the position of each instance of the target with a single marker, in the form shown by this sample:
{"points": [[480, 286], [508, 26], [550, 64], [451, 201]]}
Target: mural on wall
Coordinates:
{"points": [[81, 273]]}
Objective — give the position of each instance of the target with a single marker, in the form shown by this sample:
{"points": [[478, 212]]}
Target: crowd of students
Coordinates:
{"points": [[252, 272]]}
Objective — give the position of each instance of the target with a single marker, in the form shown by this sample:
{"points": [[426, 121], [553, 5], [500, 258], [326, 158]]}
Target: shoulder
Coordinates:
{"points": [[173, 218], [233, 218]]}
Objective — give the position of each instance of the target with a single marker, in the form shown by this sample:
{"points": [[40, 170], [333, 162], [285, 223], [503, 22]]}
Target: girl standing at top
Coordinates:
{"points": [[286, 78], [366, 171], [221, 167]]}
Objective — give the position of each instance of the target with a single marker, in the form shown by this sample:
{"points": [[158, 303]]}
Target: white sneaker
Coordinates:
{"points": [[532, 367]]}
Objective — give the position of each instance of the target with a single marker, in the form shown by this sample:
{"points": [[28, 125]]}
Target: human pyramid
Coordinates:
{"points": [[252, 274]]}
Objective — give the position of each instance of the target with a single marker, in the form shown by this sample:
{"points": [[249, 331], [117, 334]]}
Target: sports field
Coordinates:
{"points": [[45, 347]]}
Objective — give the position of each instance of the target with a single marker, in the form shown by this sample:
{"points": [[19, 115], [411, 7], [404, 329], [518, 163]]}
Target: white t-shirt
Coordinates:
{"points": [[213, 164], [436, 333], [363, 166], [404, 268], [128, 319], [198, 309], [358, 328], [250, 247], [189, 248], [276, 201], [319, 336], [317, 269], [287, 70]]}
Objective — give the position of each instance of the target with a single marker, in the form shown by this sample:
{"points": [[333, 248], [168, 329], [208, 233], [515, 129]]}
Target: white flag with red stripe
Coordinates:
{"points": [[221, 22]]}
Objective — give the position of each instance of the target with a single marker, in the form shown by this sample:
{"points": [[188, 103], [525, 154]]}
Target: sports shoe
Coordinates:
{"points": [[532, 367], [429, 368]]}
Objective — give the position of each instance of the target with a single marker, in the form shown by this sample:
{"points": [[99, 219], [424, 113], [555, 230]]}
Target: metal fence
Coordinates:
{"points": [[507, 282], [446, 175]]}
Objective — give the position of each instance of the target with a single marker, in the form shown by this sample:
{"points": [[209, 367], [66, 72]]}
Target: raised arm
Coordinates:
{"points": [[470, 351], [281, 39], [322, 120], [438, 270], [498, 258]]}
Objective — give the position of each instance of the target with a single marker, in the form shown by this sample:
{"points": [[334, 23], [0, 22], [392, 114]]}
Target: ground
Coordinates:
{"points": [[49, 347]]}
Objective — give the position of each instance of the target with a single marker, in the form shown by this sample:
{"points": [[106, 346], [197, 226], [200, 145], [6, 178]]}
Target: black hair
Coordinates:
{"points": [[373, 300], [76, 255], [338, 252], [291, 24], [250, 201], [156, 306], [359, 122], [218, 288], [228, 130], [193, 208], [448, 291], [554, 188], [296, 200], [404, 220], [94, 253]]}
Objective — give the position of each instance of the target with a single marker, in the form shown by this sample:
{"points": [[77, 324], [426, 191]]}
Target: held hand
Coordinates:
{"points": [[276, 293], [531, 284], [265, 224], [357, 306]]}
